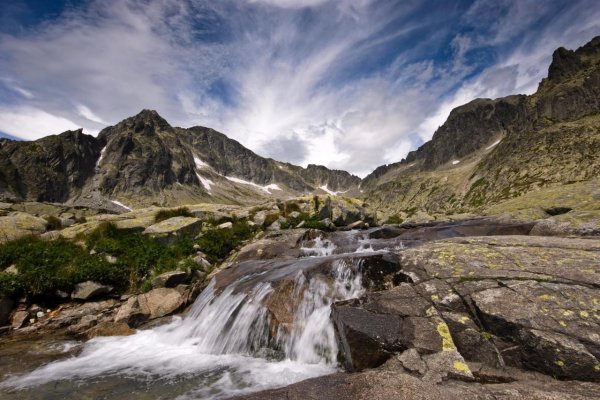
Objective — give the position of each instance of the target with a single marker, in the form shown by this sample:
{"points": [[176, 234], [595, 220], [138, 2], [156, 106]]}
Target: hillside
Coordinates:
{"points": [[490, 151]]}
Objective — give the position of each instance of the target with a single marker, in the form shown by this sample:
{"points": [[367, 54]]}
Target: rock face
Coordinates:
{"points": [[526, 302]]}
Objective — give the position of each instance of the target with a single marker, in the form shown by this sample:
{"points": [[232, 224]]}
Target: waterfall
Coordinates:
{"points": [[225, 342]]}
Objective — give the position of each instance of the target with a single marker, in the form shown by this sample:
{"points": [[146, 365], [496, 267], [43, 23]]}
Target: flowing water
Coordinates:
{"points": [[223, 347]]}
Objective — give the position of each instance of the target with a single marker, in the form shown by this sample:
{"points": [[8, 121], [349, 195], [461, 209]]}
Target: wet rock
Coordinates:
{"points": [[6, 307], [109, 328], [169, 279], [356, 225], [372, 329], [19, 318], [89, 289]]}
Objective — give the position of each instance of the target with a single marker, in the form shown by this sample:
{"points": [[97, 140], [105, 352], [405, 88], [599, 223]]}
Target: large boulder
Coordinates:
{"points": [[89, 289], [154, 304], [175, 227], [19, 224]]}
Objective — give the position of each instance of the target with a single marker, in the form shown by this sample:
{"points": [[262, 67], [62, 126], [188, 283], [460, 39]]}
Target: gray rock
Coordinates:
{"points": [[225, 225], [89, 289], [154, 304], [169, 279], [19, 318], [12, 270]]}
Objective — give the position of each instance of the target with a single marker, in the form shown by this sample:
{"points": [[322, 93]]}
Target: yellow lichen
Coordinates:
{"points": [[545, 297], [463, 319], [447, 342], [560, 363], [462, 367], [597, 367], [567, 313], [562, 323], [584, 314], [434, 297]]}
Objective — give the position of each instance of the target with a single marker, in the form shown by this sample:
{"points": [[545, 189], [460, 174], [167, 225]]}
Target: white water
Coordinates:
{"points": [[321, 247], [224, 341]]}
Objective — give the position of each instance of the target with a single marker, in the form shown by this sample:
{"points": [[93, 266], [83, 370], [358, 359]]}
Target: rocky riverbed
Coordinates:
{"points": [[478, 308]]}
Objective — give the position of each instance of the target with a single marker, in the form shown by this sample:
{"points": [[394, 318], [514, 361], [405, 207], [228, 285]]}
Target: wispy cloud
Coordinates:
{"points": [[348, 84]]}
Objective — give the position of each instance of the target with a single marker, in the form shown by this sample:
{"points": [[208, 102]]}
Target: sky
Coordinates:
{"points": [[349, 84]]}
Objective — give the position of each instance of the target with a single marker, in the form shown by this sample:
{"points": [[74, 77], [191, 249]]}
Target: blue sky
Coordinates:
{"points": [[350, 84]]}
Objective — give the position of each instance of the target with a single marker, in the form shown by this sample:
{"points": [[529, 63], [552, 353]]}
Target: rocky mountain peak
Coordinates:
{"points": [[565, 63], [146, 121]]}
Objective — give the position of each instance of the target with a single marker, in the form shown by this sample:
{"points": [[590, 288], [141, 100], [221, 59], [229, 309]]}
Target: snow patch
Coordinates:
{"points": [[331, 192], [493, 144], [455, 162], [199, 163], [121, 204], [207, 183], [268, 188]]}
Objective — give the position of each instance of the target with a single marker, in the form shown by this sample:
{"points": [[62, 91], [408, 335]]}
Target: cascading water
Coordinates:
{"points": [[224, 345]]}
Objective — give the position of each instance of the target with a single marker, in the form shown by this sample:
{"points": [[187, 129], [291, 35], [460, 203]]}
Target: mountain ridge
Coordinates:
{"points": [[481, 155]]}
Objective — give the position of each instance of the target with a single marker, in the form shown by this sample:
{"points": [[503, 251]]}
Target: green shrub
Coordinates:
{"points": [[53, 223], [218, 243], [138, 254], [394, 219], [10, 285], [46, 266], [173, 212]]}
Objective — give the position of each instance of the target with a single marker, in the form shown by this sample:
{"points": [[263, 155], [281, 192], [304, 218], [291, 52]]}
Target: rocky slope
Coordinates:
{"points": [[489, 151], [143, 160]]}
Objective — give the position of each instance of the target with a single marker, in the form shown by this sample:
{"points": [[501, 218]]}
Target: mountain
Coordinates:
{"points": [[489, 151], [143, 160]]}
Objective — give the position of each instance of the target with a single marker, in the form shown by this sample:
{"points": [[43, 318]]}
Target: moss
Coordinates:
{"points": [[53, 223], [462, 367], [444, 332]]}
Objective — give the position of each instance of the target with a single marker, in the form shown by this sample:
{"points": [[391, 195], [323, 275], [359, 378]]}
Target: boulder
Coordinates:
{"points": [[225, 225], [19, 318], [19, 224], [109, 328], [89, 289], [154, 304], [169, 279], [175, 227]]}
